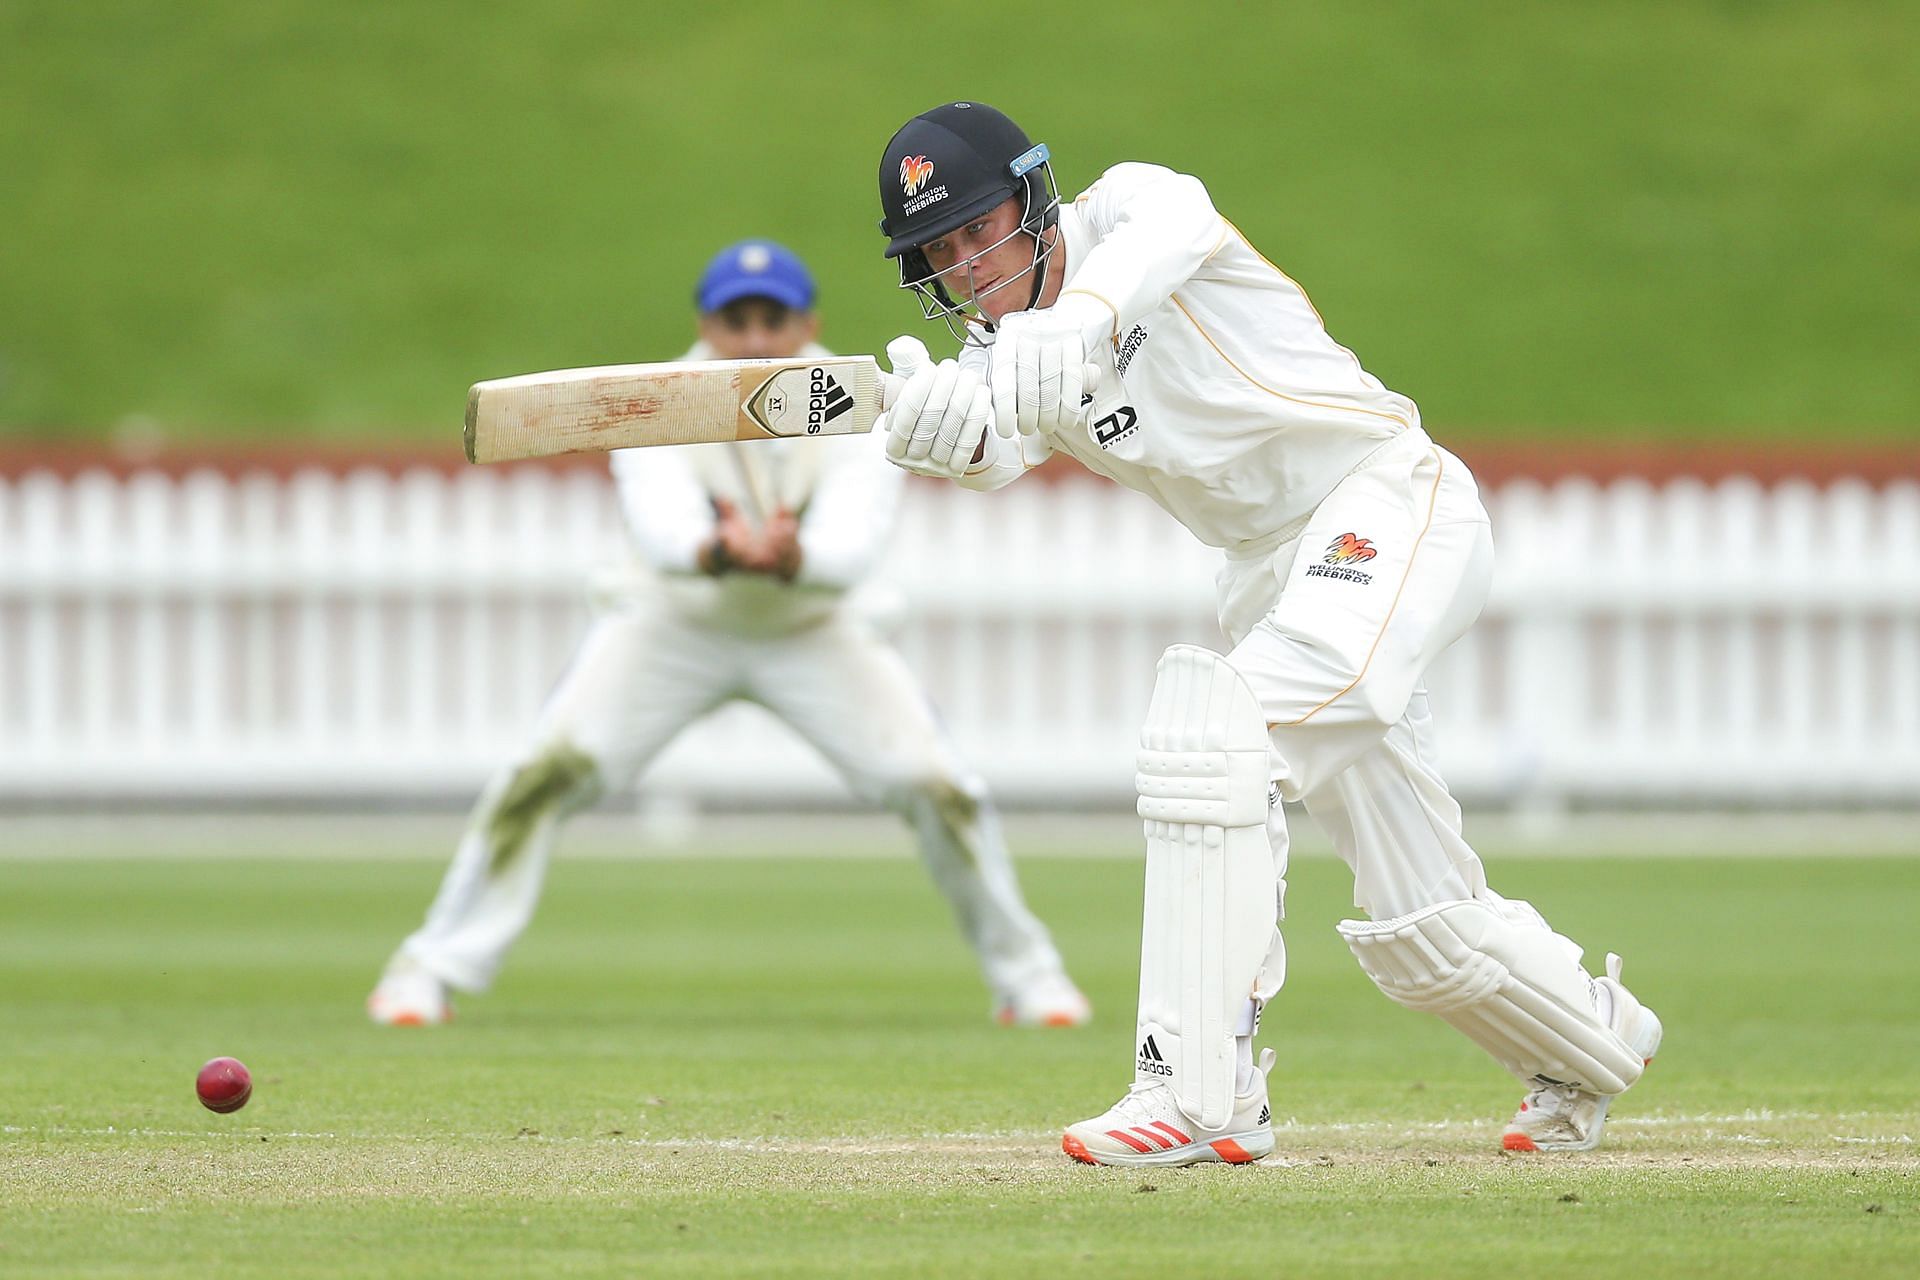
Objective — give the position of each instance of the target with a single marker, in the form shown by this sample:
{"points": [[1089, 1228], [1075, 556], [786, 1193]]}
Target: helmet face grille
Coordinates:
{"points": [[964, 319], [944, 168]]}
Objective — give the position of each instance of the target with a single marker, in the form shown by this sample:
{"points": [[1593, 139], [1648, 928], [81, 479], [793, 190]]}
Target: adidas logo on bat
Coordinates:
{"points": [[826, 400]]}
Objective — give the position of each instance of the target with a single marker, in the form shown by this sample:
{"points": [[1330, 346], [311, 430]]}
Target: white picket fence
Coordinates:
{"points": [[371, 635]]}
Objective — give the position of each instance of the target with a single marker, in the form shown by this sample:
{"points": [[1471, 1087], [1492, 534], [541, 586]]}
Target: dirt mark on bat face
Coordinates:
{"points": [[634, 407]]}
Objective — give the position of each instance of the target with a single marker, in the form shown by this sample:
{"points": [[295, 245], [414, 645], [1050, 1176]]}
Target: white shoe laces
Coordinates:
{"points": [[1135, 1104]]}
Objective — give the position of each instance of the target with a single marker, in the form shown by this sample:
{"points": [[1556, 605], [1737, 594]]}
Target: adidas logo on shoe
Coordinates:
{"points": [[1151, 1062], [1266, 1114]]}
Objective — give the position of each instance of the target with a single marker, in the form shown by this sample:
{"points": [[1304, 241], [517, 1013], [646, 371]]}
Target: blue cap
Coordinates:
{"points": [[755, 269]]}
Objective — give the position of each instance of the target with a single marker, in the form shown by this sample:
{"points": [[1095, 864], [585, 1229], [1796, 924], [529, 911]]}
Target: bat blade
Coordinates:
{"points": [[626, 406]]}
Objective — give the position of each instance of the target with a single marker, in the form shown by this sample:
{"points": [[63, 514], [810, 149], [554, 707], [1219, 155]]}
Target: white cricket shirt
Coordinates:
{"points": [[1222, 397]]}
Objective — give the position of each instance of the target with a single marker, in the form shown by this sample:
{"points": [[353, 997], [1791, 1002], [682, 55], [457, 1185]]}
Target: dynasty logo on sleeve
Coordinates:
{"points": [[1343, 553], [1115, 427]]}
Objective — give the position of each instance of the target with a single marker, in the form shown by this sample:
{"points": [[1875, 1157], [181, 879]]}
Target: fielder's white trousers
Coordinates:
{"points": [[643, 675]]}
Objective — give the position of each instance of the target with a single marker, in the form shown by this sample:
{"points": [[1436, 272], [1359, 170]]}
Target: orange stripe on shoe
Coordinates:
{"points": [[1157, 1139], [1178, 1136], [1076, 1148], [1230, 1151], [1121, 1135], [1059, 1020], [1517, 1142]]}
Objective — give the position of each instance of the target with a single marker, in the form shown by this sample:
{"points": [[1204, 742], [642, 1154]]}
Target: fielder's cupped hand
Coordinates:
{"points": [[1040, 369], [936, 421]]}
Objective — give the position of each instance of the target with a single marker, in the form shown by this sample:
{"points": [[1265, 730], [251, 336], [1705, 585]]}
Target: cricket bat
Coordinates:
{"points": [[622, 406]]}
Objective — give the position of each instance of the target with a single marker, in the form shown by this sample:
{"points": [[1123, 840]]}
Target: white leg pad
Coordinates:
{"points": [[1510, 987], [1209, 937]]}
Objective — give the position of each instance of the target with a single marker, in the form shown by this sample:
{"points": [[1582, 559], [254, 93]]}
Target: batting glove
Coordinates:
{"points": [[936, 421], [1040, 369]]}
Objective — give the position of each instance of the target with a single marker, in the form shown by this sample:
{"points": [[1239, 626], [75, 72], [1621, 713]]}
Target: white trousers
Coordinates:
{"points": [[639, 678], [1334, 626]]}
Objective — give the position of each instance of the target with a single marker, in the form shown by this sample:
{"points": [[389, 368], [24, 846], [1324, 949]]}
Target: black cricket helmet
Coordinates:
{"points": [[941, 170]]}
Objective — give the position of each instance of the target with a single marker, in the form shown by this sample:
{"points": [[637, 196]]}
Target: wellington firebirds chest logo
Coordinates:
{"points": [[1344, 552], [914, 172]]}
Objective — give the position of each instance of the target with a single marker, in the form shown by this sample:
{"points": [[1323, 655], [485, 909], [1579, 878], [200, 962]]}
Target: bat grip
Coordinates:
{"points": [[908, 355]]}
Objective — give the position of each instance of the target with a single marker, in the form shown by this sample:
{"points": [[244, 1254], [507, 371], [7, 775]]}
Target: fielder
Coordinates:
{"points": [[740, 606], [1137, 331]]}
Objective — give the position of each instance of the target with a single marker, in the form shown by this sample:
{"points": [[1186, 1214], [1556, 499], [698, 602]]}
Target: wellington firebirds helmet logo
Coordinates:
{"points": [[1347, 549], [914, 172]]}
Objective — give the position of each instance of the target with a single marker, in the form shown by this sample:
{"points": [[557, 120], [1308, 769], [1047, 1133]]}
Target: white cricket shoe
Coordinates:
{"points": [[1147, 1127], [1048, 1001], [409, 996], [1561, 1118]]}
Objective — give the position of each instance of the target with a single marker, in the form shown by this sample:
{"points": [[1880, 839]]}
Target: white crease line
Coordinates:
{"points": [[1657, 1121], [1010, 1141], [1003, 1141]]}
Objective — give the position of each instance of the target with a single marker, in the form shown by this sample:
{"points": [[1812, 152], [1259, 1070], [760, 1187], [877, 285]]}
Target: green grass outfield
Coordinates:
{"points": [[286, 220], [783, 1067]]}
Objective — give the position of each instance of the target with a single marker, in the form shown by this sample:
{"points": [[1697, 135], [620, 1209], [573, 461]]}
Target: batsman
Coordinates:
{"points": [[1139, 332]]}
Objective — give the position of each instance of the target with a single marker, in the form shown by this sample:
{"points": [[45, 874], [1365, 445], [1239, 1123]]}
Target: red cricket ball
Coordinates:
{"points": [[224, 1085]]}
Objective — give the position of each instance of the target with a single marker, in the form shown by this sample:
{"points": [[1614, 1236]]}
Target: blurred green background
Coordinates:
{"points": [[291, 220]]}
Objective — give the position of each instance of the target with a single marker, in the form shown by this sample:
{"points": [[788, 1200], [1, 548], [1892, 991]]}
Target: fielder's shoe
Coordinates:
{"points": [[1559, 1118], [1048, 1001], [409, 996], [1147, 1127]]}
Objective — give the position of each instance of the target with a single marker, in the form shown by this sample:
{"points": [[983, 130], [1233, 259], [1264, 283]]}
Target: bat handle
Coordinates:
{"points": [[908, 355]]}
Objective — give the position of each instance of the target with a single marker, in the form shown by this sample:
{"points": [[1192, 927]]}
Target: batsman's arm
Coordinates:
{"points": [[1155, 227]]}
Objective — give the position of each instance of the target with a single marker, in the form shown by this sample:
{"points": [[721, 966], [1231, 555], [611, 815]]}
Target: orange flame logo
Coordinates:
{"points": [[914, 172], [1347, 549]]}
